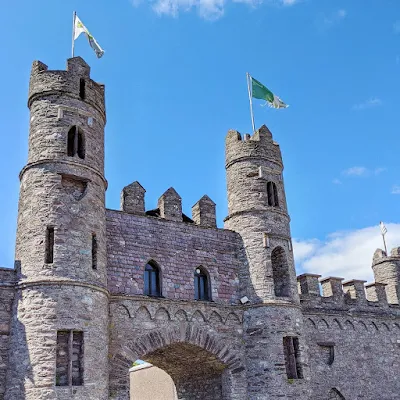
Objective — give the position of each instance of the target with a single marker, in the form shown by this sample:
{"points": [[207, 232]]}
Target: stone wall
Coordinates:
{"points": [[7, 292], [177, 248], [194, 343], [354, 343]]}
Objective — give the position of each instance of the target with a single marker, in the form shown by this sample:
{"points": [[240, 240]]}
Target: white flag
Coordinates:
{"points": [[80, 28], [383, 228]]}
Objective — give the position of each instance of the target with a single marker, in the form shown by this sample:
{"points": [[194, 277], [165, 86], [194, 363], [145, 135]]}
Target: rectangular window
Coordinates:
{"points": [[49, 245], [94, 251], [69, 358], [292, 357]]}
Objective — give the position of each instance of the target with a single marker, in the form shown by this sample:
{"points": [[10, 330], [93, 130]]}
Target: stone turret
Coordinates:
{"points": [[258, 212], [61, 243], [387, 271]]}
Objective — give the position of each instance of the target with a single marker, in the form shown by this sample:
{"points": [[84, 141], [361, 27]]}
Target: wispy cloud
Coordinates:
{"points": [[326, 21], [207, 9], [370, 103], [337, 181], [347, 254], [363, 171], [355, 171], [396, 189]]}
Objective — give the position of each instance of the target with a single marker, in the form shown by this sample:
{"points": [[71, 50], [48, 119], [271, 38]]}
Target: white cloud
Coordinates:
{"points": [[337, 181], [396, 189], [207, 9], [370, 103], [379, 170], [355, 171], [347, 254]]}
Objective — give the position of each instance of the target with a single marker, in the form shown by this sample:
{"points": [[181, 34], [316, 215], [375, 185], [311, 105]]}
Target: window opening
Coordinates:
{"points": [[49, 257], [94, 251], [82, 89], [272, 194], [152, 280], [201, 288], [69, 358], [280, 272], [292, 357], [328, 352], [76, 143]]}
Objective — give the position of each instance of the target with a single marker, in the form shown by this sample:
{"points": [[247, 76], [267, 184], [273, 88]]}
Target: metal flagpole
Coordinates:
{"points": [[73, 34], [251, 101], [383, 232]]}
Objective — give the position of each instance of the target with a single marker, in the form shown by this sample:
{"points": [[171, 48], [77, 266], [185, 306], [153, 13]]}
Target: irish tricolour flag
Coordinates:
{"points": [[259, 91]]}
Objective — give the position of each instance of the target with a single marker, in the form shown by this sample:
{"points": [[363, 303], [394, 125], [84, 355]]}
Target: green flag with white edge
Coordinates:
{"points": [[259, 91]]}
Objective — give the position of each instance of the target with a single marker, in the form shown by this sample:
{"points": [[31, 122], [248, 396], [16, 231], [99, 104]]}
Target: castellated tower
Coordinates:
{"points": [[258, 211], [59, 333]]}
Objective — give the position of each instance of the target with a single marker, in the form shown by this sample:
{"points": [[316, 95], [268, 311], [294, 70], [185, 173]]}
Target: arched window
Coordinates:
{"points": [[272, 193], [152, 279], [76, 142], [201, 285], [280, 272]]}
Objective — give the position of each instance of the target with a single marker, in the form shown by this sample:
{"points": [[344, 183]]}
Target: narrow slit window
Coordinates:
{"points": [[76, 143], [71, 142], [69, 358], [272, 194], [291, 350], [82, 89], [94, 251], [49, 257]]}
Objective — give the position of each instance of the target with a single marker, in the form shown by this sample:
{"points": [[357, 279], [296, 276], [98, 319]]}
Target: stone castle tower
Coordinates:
{"points": [[61, 237], [220, 310]]}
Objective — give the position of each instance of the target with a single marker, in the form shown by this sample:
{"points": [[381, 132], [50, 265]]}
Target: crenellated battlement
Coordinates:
{"points": [[259, 145], [169, 206], [74, 82]]}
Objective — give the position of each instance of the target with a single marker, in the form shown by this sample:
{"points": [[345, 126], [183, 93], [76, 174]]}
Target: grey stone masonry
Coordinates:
{"points": [[203, 212], [220, 310], [132, 199], [170, 205]]}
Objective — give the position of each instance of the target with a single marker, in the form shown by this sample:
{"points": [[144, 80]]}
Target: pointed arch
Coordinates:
{"points": [[181, 315], [322, 324], [334, 394], [152, 279], [215, 318], [280, 272], [198, 316], [143, 314], [202, 288], [232, 319], [349, 325], [162, 314], [337, 323], [310, 323]]}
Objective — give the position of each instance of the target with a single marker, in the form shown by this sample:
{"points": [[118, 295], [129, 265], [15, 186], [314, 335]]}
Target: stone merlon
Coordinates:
{"points": [[203, 213], [170, 205], [132, 199]]}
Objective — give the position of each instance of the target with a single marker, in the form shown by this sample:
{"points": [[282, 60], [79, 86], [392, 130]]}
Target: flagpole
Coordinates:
{"points": [[73, 34], [251, 101], [384, 243]]}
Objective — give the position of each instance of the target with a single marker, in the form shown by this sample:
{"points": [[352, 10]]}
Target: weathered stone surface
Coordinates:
{"points": [[345, 342]]}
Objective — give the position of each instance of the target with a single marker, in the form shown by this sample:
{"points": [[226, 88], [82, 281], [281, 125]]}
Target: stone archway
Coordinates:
{"points": [[201, 364]]}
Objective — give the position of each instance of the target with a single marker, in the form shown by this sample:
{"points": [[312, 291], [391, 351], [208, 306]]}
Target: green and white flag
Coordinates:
{"points": [[259, 91], [80, 28]]}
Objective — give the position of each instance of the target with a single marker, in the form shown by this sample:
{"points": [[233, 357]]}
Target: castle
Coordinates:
{"points": [[220, 310]]}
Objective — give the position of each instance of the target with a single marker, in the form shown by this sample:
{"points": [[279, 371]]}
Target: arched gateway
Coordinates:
{"points": [[201, 363]]}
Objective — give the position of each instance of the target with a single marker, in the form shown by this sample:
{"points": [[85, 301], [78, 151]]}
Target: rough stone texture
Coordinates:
{"points": [[230, 348], [203, 212], [132, 198]]}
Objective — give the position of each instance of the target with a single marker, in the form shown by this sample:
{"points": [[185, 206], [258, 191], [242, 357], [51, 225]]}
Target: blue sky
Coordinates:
{"points": [[175, 81]]}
